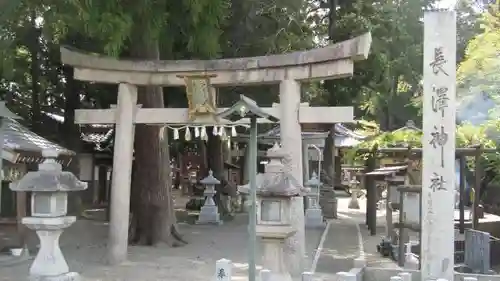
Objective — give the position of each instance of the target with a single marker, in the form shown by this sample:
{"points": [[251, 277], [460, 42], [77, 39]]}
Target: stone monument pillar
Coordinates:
{"points": [[314, 215], [274, 214], [209, 214], [49, 201]]}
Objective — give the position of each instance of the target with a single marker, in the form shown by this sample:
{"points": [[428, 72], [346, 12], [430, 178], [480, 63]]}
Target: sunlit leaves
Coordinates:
{"points": [[467, 135], [479, 75]]}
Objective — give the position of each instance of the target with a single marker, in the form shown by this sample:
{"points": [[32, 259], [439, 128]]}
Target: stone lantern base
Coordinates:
{"points": [[70, 276], [273, 241], [209, 214], [354, 203], [49, 263], [314, 214]]}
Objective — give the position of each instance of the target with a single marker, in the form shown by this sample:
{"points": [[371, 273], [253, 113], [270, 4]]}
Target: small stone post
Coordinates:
{"points": [[396, 278], [49, 204], [346, 276], [223, 270], [314, 216], [265, 275], [307, 276], [209, 213]]}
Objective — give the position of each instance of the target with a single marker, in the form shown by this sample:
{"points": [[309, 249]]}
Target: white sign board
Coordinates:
{"points": [[411, 207], [438, 176]]}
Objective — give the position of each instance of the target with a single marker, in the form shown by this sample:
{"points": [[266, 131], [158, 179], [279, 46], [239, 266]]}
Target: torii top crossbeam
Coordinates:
{"points": [[330, 62]]}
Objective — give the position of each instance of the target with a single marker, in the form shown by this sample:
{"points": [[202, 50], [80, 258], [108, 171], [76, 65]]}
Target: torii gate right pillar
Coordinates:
{"points": [[291, 140]]}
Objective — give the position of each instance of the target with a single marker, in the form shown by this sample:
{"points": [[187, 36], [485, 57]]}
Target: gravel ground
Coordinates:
{"points": [[84, 247], [369, 243]]}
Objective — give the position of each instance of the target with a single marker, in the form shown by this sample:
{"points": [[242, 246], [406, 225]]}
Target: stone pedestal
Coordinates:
{"points": [[49, 264], [328, 202], [273, 256], [209, 213], [354, 203], [330, 208], [314, 217]]}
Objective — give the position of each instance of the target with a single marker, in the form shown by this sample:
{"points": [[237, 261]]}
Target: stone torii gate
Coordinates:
{"points": [[288, 70]]}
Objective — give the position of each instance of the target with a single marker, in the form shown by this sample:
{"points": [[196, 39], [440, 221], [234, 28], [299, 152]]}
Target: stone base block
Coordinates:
{"points": [[209, 215], [314, 218], [70, 276], [353, 203], [329, 208]]}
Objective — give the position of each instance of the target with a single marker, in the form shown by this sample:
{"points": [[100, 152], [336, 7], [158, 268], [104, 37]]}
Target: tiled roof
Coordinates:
{"points": [[344, 137], [340, 130], [97, 137], [18, 137]]}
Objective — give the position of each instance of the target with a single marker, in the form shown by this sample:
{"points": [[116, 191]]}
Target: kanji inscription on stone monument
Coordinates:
{"points": [[438, 179]]}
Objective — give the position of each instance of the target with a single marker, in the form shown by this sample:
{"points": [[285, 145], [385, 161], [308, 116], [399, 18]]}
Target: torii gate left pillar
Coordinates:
{"points": [[287, 70]]}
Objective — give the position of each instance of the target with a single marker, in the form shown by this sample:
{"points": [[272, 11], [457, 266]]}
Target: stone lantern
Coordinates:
{"points": [[274, 214], [314, 216], [49, 202], [248, 108], [209, 214], [354, 203]]}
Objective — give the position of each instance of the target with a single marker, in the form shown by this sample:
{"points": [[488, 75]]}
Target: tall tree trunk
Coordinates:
{"points": [[215, 161], [34, 49], [152, 203], [216, 164], [328, 157], [72, 133], [329, 149]]}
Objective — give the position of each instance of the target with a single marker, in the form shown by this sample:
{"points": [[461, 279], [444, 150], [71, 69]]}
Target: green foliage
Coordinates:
{"points": [[386, 87], [399, 138], [195, 22], [262, 27], [468, 25], [383, 86], [467, 135], [367, 128], [478, 74]]}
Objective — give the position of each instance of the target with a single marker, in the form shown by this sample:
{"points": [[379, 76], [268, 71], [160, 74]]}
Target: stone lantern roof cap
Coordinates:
{"points": [[49, 177], [210, 179], [275, 152], [313, 181], [280, 185], [49, 181], [278, 192]]}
